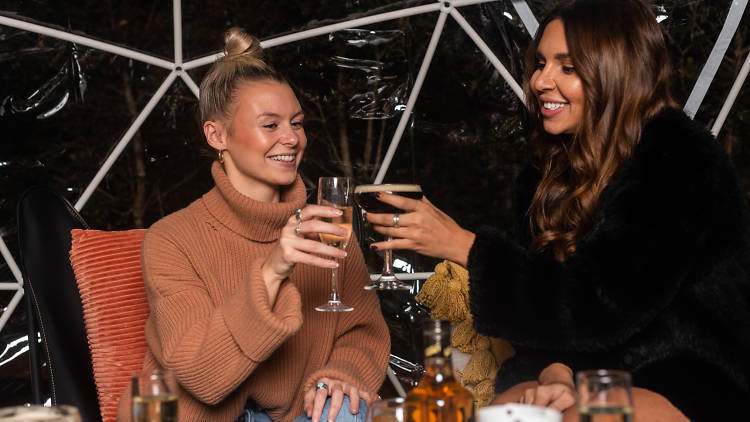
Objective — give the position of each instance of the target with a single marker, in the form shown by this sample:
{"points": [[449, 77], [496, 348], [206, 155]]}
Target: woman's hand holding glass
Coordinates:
{"points": [[300, 244], [422, 228], [315, 398]]}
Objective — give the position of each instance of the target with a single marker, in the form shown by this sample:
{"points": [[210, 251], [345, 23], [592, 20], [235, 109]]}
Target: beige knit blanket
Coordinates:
{"points": [[446, 293]]}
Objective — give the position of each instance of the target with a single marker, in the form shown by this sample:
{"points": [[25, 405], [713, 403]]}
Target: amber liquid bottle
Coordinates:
{"points": [[438, 397]]}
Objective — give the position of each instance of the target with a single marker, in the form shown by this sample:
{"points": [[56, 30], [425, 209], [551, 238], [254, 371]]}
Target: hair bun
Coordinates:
{"points": [[237, 41]]}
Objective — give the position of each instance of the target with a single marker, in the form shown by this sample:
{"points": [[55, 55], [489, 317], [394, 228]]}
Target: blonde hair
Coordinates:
{"points": [[243, 62]]}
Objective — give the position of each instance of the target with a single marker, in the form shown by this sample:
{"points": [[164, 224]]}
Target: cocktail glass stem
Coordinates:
{"points": [[388, 264], [387, 279]]}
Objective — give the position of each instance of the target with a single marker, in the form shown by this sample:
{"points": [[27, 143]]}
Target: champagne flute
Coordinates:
{"points": [[336, 192], [154, 397], [387, 410], [604, 395], [366, 197]]}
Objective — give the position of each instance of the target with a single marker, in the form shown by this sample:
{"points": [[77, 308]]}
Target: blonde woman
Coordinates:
{"points": [[233, 278]]}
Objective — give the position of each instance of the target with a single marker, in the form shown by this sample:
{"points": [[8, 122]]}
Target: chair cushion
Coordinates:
{"points": [[107, 268]]}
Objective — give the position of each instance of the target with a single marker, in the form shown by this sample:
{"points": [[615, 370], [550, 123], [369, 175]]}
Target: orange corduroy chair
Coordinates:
{"points": [[86, 297]]}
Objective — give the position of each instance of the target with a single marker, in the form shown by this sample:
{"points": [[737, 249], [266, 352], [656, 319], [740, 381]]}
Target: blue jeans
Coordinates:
{"points": [[344, 414]]}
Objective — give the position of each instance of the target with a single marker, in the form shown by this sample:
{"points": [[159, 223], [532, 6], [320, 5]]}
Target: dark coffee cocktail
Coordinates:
{"points": [[366, 196]]}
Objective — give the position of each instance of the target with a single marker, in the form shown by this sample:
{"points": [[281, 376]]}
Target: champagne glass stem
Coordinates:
{"points": [[334, 285]]}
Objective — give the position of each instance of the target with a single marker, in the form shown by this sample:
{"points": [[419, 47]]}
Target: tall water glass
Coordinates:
{"points": [[387, 410], [604, 396], [154, 397], [336, 192]]}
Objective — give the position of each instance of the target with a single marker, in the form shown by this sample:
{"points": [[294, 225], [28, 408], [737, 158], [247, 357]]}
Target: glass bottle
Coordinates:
{"points": [[438, 397]]}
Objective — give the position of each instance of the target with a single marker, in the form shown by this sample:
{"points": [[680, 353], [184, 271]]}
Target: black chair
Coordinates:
{"points": [[45, 220]]}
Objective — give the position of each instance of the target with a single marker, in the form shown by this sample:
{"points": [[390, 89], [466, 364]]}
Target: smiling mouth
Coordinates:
{"points": [[284, 158], [553, 106]]}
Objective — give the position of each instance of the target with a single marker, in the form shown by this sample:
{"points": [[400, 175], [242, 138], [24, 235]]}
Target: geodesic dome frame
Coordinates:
{"points": [[178, 69]]}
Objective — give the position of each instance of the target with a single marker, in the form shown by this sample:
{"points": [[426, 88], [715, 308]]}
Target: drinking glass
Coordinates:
{"points": [[386, 410], [36, 412], [604, 395], [366, 197], [154, 397], [516, 412], [336, 192]]}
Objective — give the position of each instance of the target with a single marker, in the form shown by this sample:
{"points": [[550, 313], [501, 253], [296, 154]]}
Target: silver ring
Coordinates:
{"points": [[395, 220], [298, 229], [298, 214], [320, 385]]}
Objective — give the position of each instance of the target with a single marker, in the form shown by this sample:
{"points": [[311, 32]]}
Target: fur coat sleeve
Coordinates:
{"points": [[670, 235]]}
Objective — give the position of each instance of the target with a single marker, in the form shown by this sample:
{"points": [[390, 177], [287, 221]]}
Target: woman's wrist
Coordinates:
{"points": [[272, 282], [463, 247]]}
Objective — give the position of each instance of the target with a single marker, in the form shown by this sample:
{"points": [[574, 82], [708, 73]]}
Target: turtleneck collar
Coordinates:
{"points": [[255, 220]]}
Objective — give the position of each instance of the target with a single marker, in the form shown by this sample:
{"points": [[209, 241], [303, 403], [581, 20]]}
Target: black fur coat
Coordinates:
{"points": [[659, 287]]}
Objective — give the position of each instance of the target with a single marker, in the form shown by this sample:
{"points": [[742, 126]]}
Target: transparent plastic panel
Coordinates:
{"points": [[165, 167], [692, 29], [733, 135], [466, 143], [352, 87], [62, 109], [136, 24], [503, 30], [204, 24]]}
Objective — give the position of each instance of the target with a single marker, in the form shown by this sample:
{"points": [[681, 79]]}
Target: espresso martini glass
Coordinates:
{"points": [[366, 196]]}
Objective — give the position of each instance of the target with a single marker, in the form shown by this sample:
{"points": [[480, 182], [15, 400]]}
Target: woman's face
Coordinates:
{"points": [[555, 83], [264, 140]]}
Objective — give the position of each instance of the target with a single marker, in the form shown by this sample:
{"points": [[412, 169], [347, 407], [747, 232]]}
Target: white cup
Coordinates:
{"points": [[514, 412], [62, 413]]}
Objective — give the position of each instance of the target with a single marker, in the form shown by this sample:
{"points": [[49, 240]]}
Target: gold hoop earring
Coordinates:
{"points": [[221, 156]]}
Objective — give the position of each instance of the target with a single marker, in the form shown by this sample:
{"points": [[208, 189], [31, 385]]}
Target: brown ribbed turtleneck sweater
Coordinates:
{"points": [[212, 325]]}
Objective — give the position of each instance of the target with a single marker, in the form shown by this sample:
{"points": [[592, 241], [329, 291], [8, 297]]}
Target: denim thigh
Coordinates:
{"points": [[248, 415], [344, 414]]}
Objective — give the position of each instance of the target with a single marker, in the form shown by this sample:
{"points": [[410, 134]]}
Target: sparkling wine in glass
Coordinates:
{"points": [[154, 397], [336, 192], [604, 396], [366, 196]]}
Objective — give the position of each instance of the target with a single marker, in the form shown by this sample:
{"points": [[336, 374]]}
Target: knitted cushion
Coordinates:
{"points": [[107, 267]]}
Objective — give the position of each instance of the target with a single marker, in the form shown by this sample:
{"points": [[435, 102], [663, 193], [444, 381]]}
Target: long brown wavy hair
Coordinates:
{"points": [[618, 51]]}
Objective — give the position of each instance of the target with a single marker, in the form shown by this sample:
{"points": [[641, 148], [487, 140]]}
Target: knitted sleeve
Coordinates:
{"points": [[672, 215], [362, 342], [208, 345]]}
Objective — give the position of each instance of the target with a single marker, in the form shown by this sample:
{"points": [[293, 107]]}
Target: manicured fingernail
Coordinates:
{"points": [[333, 264], [343, 254], [338, 212], [373, 247]]}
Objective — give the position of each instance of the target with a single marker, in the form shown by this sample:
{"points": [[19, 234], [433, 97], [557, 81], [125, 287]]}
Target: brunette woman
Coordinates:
{"points": [[233, 278], [634, 253]]}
